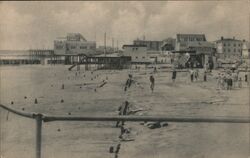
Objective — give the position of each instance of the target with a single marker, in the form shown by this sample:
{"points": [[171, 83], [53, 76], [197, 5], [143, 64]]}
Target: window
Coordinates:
{"points": [[83, 47], [224, 45], [234, 50], [239, 45], [228, 44], [228, 50], [234, 45], [135, 49], [143, 57], [59, 47], [73, 47]]}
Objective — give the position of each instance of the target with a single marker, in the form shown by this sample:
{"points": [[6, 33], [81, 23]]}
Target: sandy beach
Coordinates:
{"points": [[82, 95]]}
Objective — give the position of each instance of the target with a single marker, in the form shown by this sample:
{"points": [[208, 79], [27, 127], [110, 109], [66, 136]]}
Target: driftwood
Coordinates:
{"points": [[103, 84]]}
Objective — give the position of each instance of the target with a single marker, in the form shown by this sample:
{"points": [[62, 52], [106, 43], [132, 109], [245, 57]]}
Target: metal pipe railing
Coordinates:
{"points": [[44, 118], [148, 118], [24, 114], [38, 118]]}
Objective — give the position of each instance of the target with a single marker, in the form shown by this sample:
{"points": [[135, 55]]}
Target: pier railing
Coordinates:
{"points": [[40, 118]]}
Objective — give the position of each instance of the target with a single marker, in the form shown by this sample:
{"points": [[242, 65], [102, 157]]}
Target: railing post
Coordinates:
{"points": [[38, 134]]}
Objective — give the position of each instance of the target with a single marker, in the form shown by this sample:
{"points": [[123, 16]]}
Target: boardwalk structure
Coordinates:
{"points": [[101, 62]]}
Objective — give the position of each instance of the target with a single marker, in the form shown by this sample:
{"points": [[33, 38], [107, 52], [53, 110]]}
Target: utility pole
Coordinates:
{"points": [[105, 44], [113, 45], [117, 46]]}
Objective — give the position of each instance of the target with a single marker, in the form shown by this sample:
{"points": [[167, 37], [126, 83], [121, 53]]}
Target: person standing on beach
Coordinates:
{"points": [[155, 70], [230, 82], [205, 76], [222, 81], [152, 82], [174, 75]]}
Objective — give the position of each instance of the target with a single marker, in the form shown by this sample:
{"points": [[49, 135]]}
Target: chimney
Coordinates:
{"points": [[221, 38]]}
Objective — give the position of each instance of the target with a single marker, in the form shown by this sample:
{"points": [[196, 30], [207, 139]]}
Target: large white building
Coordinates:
{"points": [[198, 45], [246, 49], [73, 44], [138, 53], [195, 42], [229, 48]]}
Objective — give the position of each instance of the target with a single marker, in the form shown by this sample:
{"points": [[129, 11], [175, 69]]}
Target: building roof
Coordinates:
{"points": [[200, 36], [139, 40], [109, 55], [246, 45], [75, 37], [184, 51], [14, 52], [227, 39], [132, 45], [201, 44]]}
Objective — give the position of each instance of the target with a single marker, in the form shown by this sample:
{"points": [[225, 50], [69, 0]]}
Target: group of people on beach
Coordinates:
{"points": [[229, 80], [194, 74]]}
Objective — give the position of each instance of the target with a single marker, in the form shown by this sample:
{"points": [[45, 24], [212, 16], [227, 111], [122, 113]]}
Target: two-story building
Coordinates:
{"points": [[138, 53], [229, 48], [202, 50], [73, 44], [245, 49], [151, 45]]}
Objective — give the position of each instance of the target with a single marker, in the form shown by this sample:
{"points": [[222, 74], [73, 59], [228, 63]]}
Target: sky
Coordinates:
{"points": [[34, 25]]}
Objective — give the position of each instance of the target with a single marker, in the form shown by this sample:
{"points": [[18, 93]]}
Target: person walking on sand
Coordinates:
{"points": [[240, 83], [174, 75], [223, 81], [152, 82], [218, 81], [191, 75], [128, 82], [196, 74], [123, 110]]}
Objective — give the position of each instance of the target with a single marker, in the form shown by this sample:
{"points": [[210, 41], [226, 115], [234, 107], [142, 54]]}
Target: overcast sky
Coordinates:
{"points": [[26, 25]]}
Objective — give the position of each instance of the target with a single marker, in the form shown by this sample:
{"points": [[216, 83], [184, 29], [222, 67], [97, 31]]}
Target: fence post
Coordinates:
{"points": [[38, 135]]}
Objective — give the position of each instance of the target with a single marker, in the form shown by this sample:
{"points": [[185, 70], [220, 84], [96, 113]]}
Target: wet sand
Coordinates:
{"points": [[93, 139]]}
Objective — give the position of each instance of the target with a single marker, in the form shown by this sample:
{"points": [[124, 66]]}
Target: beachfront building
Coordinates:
{"points": [[157, 51], [73, 44], [138, 53], [105, 50], [196, 45], [168, 44], [151, 45], [17, 57], [245, 49], [184, 40], [229, 48]]}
